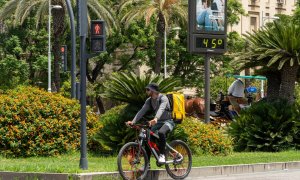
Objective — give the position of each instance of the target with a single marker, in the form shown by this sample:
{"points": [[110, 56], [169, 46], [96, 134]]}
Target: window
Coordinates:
{"points": [[280, 1], [253, 23]]}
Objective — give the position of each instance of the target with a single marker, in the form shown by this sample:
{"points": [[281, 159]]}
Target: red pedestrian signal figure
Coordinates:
{"points": [[97, 36], [64, 56], [97, 29]]}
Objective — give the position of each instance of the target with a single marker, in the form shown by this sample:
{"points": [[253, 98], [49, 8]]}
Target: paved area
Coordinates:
{"points": [[261, 171], [271, 175]]}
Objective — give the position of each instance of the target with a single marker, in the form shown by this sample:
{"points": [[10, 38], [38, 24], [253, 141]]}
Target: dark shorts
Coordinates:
{"points": [[170, 123]]}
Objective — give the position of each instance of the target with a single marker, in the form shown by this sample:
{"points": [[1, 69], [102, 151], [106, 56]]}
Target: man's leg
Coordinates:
{"points": [[162, 133]]}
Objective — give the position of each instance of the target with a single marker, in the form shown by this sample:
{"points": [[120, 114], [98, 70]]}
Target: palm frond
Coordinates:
{"points": [[274, 44], [130, 88]]}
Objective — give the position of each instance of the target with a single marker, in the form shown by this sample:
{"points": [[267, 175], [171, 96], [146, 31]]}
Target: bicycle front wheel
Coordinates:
{"points": [[181, 166], [132, 161]]}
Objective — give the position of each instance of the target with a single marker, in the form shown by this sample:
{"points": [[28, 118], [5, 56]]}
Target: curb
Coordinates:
{"points": [[160, 174]]}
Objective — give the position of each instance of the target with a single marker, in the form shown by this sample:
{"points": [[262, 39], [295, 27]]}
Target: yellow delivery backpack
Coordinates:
{"points": [[176, 101]]}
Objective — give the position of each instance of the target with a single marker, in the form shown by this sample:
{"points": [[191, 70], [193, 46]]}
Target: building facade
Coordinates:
{"points": [[260, 12]]}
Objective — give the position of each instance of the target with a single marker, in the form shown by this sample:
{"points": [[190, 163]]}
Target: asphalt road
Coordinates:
{"points": [[271, 175]]}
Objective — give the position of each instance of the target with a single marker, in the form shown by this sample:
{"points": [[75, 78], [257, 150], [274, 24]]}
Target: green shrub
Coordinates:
{"points": [[13, 72], [219, 84], [37, 123], [266, 126], [202, 138], [113, 133]]}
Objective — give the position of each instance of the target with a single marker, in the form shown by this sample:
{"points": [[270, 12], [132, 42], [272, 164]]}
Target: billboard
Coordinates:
{"points": [[207, 26], [209, 16]]}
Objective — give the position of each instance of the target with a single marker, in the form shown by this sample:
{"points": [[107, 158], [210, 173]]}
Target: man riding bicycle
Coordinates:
{"points": [[162, 121]]}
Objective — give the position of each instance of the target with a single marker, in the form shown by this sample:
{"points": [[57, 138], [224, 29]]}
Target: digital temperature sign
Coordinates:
{"points": [[212, 43], [208, 43], [207, 26]]}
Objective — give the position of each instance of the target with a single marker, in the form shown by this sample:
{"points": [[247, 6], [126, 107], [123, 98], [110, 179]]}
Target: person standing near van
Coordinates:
{"points": [[236, 94]]}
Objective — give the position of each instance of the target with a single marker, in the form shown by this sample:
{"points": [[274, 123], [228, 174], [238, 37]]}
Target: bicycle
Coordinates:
{"points": [[133, 159]]}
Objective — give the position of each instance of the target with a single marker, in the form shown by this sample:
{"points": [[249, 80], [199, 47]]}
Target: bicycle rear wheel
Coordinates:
{"points": [[132, 161], [181, 167]]}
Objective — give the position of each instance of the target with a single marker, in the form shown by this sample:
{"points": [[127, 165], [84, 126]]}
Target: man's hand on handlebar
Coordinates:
{"points": [[152, 122], [129, 123]]}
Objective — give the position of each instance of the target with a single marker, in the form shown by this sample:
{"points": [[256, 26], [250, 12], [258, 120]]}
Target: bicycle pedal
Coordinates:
{"points": [[159, 164]]}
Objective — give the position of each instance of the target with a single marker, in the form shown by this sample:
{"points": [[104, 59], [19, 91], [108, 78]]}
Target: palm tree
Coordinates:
{"points": [[276, 48], [21, 9], [130, 88], [165, 12]]}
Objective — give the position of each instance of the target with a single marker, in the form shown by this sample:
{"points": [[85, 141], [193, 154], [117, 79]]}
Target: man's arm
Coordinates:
{"points": [[162, 107], [146, 107]]}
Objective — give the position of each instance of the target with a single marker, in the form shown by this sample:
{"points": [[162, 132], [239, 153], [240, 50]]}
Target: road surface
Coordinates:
{"points": [[270, 175]]}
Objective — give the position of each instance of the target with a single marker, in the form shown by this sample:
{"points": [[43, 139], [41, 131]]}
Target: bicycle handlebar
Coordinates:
{"points": [[137, 126]]}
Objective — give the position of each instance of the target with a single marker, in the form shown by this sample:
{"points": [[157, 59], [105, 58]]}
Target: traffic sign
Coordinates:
{"points": [[64, 57], [98, 36]]}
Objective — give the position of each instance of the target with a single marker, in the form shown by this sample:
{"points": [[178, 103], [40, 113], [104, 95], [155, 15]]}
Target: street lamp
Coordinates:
{"points": [[165, 44], [49, 42], [263, 18]]}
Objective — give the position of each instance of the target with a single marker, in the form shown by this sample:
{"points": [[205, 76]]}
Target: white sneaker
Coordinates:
{"points": [[161, 158]]}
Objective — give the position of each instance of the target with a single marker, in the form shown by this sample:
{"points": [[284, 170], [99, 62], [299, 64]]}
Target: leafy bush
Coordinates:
{"points": [[202, 138], [114, 133], [220, 84], [37, 123], [13, 72], [266, 126]]}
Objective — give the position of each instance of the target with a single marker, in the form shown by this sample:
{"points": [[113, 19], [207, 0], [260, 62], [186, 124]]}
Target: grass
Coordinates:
{"points": [[70, 163]]}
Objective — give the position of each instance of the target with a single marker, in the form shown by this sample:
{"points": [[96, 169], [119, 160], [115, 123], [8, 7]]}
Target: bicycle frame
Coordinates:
{"points": [[145, 135]]}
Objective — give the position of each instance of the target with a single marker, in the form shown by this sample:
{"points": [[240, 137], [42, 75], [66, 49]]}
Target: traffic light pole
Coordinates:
{"points": [[73, 49], [83, 138], [82, 30]]}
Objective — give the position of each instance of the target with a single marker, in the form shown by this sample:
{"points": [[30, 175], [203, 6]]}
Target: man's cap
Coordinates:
{"points": [[153, 87]]}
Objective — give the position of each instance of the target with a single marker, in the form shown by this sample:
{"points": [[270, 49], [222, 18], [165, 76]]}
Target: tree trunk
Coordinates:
{"points": [[158, 51], [273, 85], [160, 28], [247, 81], [288, 79], [100, 105], [58, 30]]}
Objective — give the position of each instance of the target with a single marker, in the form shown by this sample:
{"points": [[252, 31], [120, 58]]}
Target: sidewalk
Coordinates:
{"points": [[157, 174]]}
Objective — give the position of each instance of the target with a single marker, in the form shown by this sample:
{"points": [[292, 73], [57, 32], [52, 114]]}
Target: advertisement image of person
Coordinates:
{"points": [[204, 16], [218, 11]]}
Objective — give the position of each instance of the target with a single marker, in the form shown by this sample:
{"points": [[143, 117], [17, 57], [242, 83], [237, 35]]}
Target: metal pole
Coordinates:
{"points": [[83, 138], [78, 90], [262, 89], [207, 88], [49, 48], [73, 50], [165, 58]]}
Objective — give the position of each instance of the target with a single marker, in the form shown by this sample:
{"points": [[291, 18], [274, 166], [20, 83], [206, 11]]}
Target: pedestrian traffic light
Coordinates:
{"points": [[64, 56], [97, 36]]}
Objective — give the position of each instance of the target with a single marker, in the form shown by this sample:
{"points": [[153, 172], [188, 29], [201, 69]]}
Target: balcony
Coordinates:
{"points": [[280, 6], [254, 5]]}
